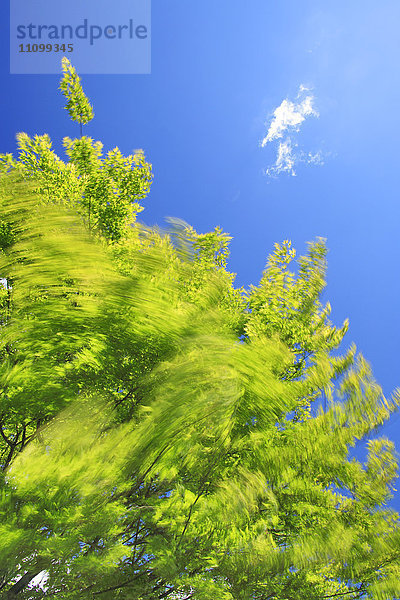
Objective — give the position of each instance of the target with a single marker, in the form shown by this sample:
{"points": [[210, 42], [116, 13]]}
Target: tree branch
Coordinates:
{"points": [[21, 584], [124, 584], [360, 589], [5, 438]]}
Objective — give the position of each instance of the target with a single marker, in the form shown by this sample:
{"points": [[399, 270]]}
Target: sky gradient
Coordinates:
{"points": [[220, 71]]}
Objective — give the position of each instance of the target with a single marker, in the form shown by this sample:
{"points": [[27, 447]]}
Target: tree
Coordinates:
{"points": [[162, 432], [78, 106]]}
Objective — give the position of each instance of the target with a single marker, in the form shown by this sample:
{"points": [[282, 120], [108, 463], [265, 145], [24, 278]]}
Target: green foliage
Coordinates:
{"points": [[106, 191], [162, 432], [78, 105]]}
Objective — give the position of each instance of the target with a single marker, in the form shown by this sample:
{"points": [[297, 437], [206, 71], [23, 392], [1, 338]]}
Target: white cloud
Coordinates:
{"points": [[286, 122], [289, 116], [285, 159], [315, 159], [303, 88]]}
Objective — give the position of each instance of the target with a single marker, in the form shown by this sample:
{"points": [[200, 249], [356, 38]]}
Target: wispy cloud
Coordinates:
{"points": [[285, 159], [283, 130]]}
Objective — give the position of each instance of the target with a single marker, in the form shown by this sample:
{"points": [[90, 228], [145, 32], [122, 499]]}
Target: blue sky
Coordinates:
{"points": [[219, 71]]}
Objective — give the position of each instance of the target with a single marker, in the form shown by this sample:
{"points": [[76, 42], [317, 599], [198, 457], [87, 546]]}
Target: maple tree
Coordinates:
{"points": [[162, 433]]}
